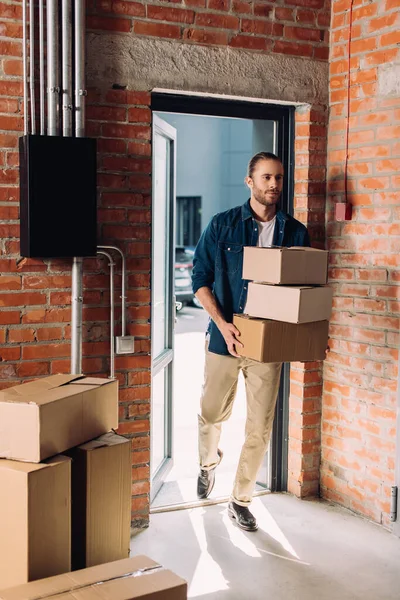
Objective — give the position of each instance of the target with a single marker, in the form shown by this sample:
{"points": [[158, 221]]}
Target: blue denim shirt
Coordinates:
{"points": [[218, 259]]}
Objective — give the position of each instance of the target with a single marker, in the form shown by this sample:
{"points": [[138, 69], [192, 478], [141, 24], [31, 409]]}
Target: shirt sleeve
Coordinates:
{"points": [[203, 273]]}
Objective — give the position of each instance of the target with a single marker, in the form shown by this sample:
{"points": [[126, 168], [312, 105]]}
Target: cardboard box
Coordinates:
{"points": [[50, 415], [129, 579], [290, 304], [286, 266], [35, 520], [275, 341], [101, 501]]}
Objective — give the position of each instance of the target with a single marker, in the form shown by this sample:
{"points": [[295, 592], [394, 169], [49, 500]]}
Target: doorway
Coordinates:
{"points": [[210, 143]]}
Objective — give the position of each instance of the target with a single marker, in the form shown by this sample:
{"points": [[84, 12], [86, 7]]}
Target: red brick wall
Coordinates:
{"points": [[35, 295], [297, 27], [360, 376], [306, 379]]}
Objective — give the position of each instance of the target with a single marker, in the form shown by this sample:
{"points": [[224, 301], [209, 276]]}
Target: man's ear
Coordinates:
{"points": [[249, 182]]}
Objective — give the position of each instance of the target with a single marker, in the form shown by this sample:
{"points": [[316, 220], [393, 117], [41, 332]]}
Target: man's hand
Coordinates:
{"points": [[231, 334]]}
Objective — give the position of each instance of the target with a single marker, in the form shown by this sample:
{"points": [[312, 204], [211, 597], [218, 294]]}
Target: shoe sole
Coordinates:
{"points": [[248, 528]]}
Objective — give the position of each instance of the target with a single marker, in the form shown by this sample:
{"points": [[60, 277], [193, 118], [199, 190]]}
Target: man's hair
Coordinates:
{"points": [[260, 156]]}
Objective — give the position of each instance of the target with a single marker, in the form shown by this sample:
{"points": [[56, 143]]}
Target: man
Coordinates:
{"points": [[218, 285]]}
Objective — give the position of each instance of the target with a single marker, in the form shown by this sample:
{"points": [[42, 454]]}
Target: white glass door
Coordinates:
{"points": [[163, 300]]}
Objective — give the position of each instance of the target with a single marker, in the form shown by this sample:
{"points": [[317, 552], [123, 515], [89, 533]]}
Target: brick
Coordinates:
{"points": [[141, 488], [389, 39], [259, 27], [106, 113], [381, 57], [140, 132], [137, 409], [284, 14], [137, 426], [306, 16], [21, 299], [203, 36], [376, 25], [45, 351], [108, 24], [293, 48], [303, 34], [157, 30], [133, 9], [139, 115], [241, 7], [218, 4], [49, 333], [262, 10], [176, 15], [144, 149], [214, 20], [32, 369], [21, 335], [8, 283], [306, 3], [250, 42], [12, 67]]}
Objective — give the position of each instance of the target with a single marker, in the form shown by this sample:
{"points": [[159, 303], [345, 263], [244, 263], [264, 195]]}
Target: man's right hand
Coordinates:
{"points": [[231, 334]]}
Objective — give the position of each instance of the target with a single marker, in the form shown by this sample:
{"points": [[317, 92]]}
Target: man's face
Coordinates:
{"points": [[266, 182]]}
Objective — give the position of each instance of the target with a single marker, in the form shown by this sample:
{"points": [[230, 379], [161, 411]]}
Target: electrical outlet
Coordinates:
{"points": [[124, 344]]}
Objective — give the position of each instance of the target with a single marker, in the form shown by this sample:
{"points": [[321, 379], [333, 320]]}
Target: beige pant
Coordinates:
{"points": [[219, 389]]}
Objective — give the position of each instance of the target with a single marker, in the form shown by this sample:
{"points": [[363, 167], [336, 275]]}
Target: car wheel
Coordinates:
{"points": [[196, 303], [178, 306]]}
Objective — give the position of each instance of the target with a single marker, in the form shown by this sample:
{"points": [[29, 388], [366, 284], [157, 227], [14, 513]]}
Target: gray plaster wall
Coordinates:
{"points": [[146, 63]]}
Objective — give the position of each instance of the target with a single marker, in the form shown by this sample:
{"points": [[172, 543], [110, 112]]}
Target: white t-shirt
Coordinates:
{"points": [[266, 233], [265, 236]]}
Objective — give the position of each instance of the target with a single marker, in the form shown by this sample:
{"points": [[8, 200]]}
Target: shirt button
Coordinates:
{"points": [[241, 307]]}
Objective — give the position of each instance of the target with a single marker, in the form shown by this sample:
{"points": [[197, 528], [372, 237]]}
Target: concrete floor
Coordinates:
{"points": [[303, 550]]}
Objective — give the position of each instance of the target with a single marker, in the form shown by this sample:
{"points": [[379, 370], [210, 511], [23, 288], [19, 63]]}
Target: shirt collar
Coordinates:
{"points": [[247, 213]]}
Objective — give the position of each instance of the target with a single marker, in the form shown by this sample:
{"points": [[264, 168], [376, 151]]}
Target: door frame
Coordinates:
{"points": [[284, 116], [165, 360]]}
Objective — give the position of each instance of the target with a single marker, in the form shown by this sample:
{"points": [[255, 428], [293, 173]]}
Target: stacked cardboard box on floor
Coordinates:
{"points": [[288, 305], [129, 579], [47, 418]]}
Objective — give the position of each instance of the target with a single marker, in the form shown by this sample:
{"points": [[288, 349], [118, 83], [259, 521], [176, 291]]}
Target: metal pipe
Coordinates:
{"points": [[66, 25], [77, 265], [32, 64], [80, 91], [123, 291], [76, 317], [24, 63], [112, 313], [41, 67], [53, 79]]}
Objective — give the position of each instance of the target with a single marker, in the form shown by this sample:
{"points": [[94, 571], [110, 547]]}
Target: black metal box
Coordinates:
{"points": [[58, 205]]}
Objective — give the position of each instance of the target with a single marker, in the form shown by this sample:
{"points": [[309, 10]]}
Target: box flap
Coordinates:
{"points": [[21, 467], [305, 249], [37, 386], [108, 439], [70, 582], [96, 381]]}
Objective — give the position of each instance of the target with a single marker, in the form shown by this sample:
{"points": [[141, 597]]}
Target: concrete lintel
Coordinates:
{"points": [[146, 63]]}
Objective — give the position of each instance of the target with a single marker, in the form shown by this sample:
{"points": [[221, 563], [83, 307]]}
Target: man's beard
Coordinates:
{"points": [[259, 195]]}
